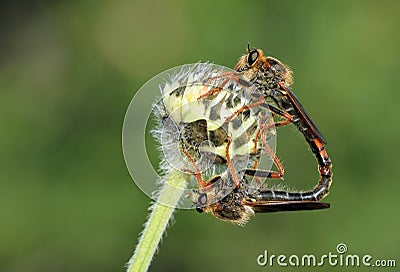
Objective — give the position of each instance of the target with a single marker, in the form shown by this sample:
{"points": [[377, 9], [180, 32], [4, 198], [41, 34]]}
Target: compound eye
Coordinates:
{"points": [[199, 210], [241, 69], [202, 200], [252, 57]]}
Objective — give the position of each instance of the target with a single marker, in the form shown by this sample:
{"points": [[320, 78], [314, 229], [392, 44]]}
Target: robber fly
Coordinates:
{"points": [[243, 202], [272, 80]]}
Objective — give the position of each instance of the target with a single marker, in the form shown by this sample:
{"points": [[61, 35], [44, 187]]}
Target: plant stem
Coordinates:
{"points": [[157, 222]]}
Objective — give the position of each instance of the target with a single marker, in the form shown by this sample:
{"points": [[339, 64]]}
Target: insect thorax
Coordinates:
{"points": [[229, 207], [269, 74]]}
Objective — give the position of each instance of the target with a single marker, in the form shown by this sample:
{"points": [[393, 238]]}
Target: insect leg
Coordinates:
{"points": [[245, 107], [214, 90], [261, 133], [197, 172], [230, 165]]}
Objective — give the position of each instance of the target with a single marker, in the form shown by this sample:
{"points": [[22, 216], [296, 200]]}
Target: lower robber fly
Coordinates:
{"points": [[236, 204], [243, 202]]}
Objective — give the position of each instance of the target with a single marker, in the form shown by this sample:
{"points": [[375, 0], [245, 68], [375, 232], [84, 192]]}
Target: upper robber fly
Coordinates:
{"points": [[273, 79]]}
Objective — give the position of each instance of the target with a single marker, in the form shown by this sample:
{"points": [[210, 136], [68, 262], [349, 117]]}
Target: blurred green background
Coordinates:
{"points": [[68, 70]]}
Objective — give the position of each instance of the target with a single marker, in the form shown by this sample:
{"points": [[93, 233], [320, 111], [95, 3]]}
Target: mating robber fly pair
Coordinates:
{"points": [[231, 124]]}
